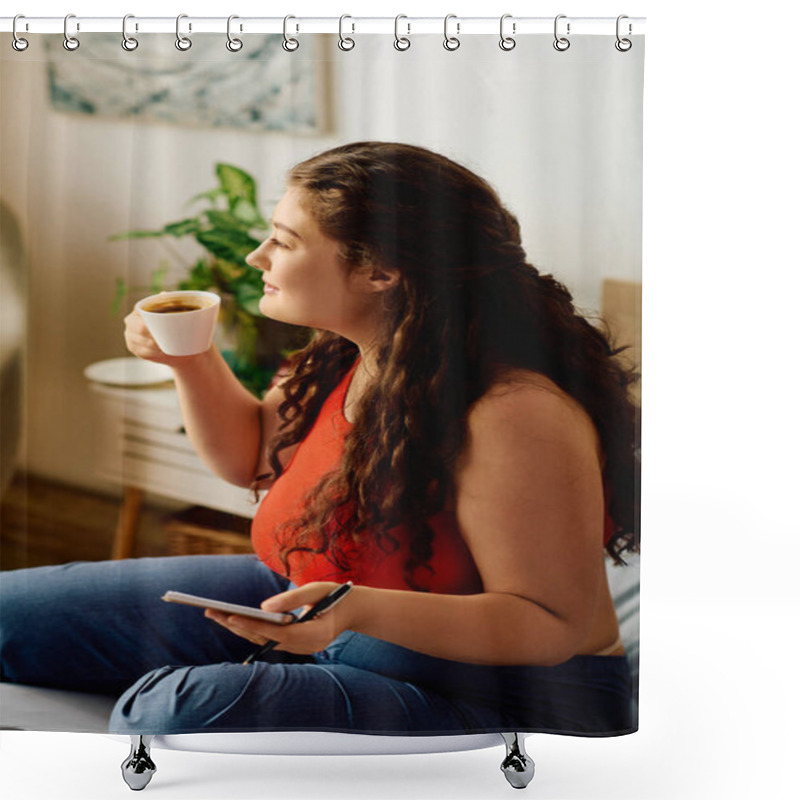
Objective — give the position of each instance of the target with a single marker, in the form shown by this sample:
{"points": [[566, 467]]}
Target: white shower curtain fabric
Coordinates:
{"points": [[129, 173]]}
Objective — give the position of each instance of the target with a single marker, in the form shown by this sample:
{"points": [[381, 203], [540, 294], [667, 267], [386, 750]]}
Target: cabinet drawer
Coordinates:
{"points": [[187, 485], [171, 439], [159, 454], [140, 442]]}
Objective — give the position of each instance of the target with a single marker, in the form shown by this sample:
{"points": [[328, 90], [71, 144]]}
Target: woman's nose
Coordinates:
{"points": [[258, 258]]}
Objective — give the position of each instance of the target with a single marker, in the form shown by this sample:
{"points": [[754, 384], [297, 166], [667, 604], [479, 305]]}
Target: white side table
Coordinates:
{"points": [[141, 446]]}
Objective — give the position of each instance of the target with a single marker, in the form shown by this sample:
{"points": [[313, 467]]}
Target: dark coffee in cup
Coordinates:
{"points": [[173, 306], [182, 322]]}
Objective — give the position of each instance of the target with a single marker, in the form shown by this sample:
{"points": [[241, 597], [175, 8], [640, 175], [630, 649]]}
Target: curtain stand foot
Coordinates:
{"points": [[138, 768], [517, 766]]}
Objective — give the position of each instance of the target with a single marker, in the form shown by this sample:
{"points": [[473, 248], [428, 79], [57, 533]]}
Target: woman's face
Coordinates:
{"points": [[305, 283]]}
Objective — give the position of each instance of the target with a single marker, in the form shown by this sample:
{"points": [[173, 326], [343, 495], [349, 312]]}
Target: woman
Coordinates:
{"points": [[456, 440]]}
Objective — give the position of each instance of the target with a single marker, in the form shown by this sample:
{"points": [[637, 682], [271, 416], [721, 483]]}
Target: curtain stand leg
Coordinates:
{"points": [[517, 766], [138, 768]]}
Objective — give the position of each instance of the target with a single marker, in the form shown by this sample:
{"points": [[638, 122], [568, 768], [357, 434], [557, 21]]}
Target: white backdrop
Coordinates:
{"points": [[720, 599]]}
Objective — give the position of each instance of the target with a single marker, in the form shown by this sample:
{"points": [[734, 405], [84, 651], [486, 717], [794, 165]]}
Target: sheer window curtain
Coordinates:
{"points": [[103, 141]]}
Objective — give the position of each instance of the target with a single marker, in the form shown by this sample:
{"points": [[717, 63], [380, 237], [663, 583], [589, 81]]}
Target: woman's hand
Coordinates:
{"points": [[141, 343], [304, 638]]}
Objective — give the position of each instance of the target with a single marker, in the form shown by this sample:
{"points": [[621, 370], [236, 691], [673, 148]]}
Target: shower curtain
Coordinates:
{"points": [[134, 168]]}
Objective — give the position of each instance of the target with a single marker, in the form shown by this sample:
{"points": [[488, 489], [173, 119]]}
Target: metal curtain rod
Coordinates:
{"points": [[299, 25]]}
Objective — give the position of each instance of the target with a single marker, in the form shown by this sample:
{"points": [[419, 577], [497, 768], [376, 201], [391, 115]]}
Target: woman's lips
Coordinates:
{"points": [[269, 288]]}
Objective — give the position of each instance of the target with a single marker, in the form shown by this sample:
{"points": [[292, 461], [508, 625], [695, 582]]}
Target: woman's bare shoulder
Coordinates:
{"points": [[524, 386], [530, 402]]}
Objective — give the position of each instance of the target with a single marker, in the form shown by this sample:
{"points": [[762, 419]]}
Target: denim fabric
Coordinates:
{"points": [[102, 627]]}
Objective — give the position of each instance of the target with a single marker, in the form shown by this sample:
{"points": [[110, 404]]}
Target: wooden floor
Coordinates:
{"points": [[42, 522]]}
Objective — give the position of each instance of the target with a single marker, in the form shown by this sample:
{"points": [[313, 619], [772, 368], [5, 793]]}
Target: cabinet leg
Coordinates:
{"points": [[128, 524]]}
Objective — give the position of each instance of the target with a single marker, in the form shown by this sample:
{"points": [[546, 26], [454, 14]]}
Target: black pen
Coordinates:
{"points": [[330, 600]]}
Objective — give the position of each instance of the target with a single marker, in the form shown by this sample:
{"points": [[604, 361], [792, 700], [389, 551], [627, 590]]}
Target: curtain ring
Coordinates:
{"points": [[507, 42], [289, 44], [129, 43], [234, 45], [18, 43], [70, 42], [451, 42], [345, 42], [623, 45], [183, 43], [561, 43], [401, 42]]}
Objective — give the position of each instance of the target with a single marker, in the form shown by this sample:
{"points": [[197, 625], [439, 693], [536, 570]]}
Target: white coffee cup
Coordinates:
{"points": [[178, 331]]}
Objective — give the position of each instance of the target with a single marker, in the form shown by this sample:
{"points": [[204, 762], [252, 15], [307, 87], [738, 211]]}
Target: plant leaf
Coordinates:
{"points": [[226, 221], [229, 272], [183, 227], [245, 211], [248, 297], [236, 184], [136, 235], [159, 277], [229, 245], [201, 277], [211, 194]]}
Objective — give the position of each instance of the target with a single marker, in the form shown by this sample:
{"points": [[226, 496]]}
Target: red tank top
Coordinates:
{"points": [[453, 569]]}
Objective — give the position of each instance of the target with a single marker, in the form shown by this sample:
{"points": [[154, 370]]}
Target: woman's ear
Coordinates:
{"points": [[373, 278]]}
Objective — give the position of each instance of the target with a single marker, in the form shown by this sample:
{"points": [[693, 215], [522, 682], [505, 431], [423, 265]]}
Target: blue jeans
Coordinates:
{"points": [[102, 627]]}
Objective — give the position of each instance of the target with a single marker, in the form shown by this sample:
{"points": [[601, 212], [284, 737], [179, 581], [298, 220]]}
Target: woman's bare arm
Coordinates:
{"points": [[222, 419], [228, 427], [529, 505]]}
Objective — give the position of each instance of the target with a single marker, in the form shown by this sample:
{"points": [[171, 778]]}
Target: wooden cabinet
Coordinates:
{"points": [[141, 446]]}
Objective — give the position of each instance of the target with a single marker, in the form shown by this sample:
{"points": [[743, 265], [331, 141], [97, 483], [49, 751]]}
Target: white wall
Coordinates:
{"points": [[567, 162]]}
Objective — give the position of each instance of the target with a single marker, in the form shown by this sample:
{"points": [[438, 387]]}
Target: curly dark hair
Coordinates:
{"points": [[468, 309]]}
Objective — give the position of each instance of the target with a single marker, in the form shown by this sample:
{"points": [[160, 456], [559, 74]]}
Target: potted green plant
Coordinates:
{"points": [[228, 228]]}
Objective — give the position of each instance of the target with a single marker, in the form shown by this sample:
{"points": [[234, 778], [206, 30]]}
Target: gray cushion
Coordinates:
{"points": [[35, 709]]}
